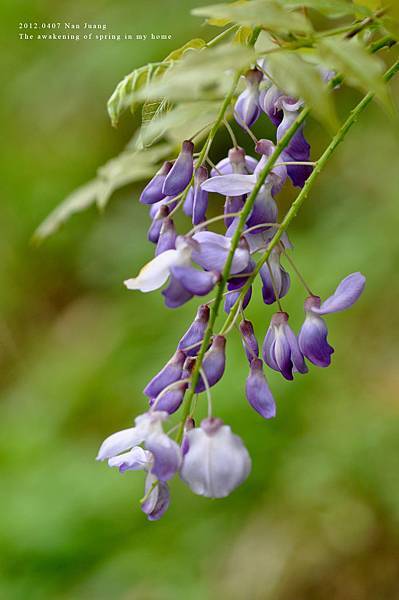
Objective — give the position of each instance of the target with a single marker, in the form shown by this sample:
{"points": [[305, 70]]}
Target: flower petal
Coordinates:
{"points": [[136, 459], [158, 500], [155, 273], [230, 185], [258, 392], [346, 294], [313, 341], [120, 441], [167, 455]]}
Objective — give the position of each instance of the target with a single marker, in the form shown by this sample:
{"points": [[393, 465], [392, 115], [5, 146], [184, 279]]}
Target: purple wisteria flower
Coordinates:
{"points": [[153, 191], [213, 364], [281, 349], [313, 334], [258, 392], [247, 110], [191, 340], [200, 196], [216, 461], [181, 172], [249, 340], [275, 278]]}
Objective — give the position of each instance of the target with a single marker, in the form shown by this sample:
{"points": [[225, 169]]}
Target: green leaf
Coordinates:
{"points": [[257, 13], [333, 9], [201, 75], [301, 79], [121, 99], [180, 123], [360, 68], [131, 83], [126, 168]]}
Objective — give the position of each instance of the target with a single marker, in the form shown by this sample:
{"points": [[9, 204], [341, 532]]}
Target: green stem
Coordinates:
{"points": [[296, 205]]}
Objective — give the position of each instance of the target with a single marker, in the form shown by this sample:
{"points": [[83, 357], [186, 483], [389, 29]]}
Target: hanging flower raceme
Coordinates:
{"points": [[216, 461], [210, 459], [313, 335]]}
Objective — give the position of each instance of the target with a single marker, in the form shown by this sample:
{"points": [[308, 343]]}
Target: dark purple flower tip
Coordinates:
{"points": [[236, 157], [153, 190], [198, 283], [200, 199], [167, 237], [171, 401], [188, 203], [313, 341], [254, 76], [346, 294], [158, 500], [211, 425], [170, 373], [156, 225], [195, 333], [176, 294], [249, 340], [258, 392], [180, 174], [213, 364]]}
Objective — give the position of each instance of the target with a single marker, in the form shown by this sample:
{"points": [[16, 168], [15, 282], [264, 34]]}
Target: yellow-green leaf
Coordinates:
{"points": [[263, 13], [333, 9], [301, 79], [360, 68]]}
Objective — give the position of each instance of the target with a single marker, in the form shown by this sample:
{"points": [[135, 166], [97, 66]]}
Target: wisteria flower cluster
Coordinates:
{"points": [[209, 457]]}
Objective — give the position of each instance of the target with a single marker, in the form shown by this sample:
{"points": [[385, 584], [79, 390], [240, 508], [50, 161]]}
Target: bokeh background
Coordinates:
{"points": [[318, 518]]}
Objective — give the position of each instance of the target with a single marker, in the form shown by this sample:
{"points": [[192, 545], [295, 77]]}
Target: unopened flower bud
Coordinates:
{"points": [[170, 373], [153, 190], [180, 174], [249, 340], [258, 392], [167, 237], [194, 335], [213, 364]]}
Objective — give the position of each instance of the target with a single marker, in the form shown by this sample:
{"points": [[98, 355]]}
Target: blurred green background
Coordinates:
{"points": [[319, 516]]}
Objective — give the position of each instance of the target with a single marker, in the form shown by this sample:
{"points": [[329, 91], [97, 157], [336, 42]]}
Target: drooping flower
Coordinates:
{"points": [[216, 461], [258, 392], [313, 334], [298, 148], [274, 278], [246, 109], [281, 349], [164, 452], [153, 191], [195, 333], [170, 400], [181, 172], [213, 364], [234, 286], [154, 230], [155, 273]]}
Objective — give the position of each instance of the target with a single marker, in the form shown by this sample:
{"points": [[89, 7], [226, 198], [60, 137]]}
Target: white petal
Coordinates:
{"points": [[119, 442], [215, 464], [134, 460], [155, 273]]}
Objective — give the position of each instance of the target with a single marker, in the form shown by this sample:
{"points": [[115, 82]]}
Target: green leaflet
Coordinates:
{"points": [[360, 68], [303, 80], [334, 9], [126, 168], [182, 122], [201, 75], [266, 13], [121, 98]]}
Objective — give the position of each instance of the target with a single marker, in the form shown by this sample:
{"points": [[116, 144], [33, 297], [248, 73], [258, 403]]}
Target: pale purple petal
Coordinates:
{"points": [[136, 459], [258, 392], [119, 442], [195, 333], [152, 192], [249, 340], [199, 283], [216, 462], [346, 294], [230, 185], [213, 364], [167, 455], [158, 500]]}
